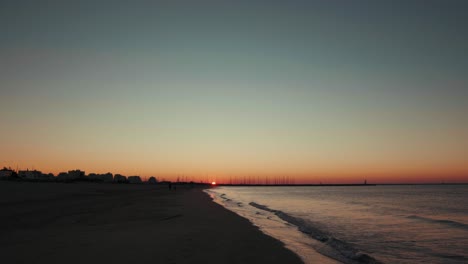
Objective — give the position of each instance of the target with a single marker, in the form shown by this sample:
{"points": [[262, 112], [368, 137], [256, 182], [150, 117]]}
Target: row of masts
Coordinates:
{"points": [[241, 180], [252, 180]]}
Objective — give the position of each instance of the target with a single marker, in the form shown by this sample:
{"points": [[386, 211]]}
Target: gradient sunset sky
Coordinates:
{"points": [[320, 91]]}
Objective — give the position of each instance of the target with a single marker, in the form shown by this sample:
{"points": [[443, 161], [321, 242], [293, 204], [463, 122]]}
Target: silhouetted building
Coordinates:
{"points": [[93, 176], [47, 177], [120, 178], [107, 177], [30, 175], [76, 174], [134, 179], [62, 176], [5, 173], [152, 180]]}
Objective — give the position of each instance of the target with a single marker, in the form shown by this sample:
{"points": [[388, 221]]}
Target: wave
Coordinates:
{"points": [[223, 196], [450, 223], [346, 253], [451, 257]]}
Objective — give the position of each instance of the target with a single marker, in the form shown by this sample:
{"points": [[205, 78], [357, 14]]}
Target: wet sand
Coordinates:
{"points": [[111, 223]]}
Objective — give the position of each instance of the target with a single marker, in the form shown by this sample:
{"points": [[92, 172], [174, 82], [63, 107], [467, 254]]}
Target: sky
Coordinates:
{"points": [[317, 91]]}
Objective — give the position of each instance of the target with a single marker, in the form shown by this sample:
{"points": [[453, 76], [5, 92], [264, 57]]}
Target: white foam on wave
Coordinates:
{"points": [[337, 249], [270, 224]]}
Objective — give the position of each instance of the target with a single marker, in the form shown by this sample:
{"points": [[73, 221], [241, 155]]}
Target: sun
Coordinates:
{"points": [[213, 183]]}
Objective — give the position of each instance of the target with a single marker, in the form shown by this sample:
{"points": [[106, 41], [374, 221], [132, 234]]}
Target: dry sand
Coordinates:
{"points": [[111, 223]]}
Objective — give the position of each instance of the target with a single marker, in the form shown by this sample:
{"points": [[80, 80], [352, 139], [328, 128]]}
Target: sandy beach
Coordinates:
{"points": [[112, 223]]}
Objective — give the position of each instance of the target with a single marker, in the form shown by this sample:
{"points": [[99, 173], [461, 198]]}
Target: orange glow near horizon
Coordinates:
{"points": [[201, 146], [346, 175], [227, 168], [267, 162]]}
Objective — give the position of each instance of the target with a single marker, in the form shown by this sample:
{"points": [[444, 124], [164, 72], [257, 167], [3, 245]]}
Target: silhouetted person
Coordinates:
{"points": [[170, 186]]}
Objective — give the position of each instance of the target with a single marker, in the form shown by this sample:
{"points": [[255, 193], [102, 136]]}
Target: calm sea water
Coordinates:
{"points": [[360, 224]]}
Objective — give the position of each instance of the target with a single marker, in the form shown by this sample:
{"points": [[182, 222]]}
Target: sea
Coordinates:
{"points": [[359, 224]]}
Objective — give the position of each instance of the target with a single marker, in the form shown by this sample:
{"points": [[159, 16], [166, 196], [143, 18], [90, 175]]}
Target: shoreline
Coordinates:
{"points": [[92, 222], [278, 228]]}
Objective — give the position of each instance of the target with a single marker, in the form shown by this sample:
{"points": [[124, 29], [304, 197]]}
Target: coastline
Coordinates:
{"points": [[92, 222], [278, 228]]}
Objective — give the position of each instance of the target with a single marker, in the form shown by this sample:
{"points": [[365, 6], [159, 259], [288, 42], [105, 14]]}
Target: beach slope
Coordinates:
{"points": [[112, 223]]}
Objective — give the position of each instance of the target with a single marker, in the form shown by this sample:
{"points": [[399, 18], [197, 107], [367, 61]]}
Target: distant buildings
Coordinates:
{"points": [[6, 173], [93, 176], [76, 174], [63, 176], [152, 180], [35, 175], [120, 178], [134, 179], [70, 176], [29, 175], [48, 177], [107, 177]]}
